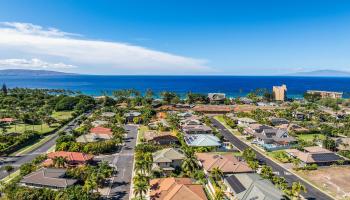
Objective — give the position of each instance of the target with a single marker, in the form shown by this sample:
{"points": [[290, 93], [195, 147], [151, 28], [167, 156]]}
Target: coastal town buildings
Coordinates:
{"points": [[326, 94]]}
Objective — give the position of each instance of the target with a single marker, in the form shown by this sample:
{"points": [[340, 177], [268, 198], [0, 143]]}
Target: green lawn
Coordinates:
{"points": [[20, 128], [220, 118], [279, 155], [62, 115], [310, 137]]}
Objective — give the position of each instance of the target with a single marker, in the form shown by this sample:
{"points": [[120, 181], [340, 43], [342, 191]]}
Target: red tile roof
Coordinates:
{"points": [[70, 156], [101, 130], [7, 119], [176, 189]]}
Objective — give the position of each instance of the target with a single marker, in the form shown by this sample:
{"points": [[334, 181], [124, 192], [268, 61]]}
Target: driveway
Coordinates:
{"points": [[312, 192], [120, 187]]}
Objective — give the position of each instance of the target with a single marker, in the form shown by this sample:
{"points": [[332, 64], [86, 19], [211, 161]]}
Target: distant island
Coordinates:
{"points": [[322, 73], [28, 72]]}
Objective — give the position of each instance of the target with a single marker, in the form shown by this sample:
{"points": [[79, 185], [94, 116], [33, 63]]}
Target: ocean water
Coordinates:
{"points": [[233, 86]]}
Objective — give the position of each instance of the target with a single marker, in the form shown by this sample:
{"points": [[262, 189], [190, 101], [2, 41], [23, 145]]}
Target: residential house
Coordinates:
{"points": [[48, 178], [99, 123], [102, 132], [129, 117], [155, 125], [213, 109], [202, 140], [196, 129], [176, 189], [191, 121], [184, 115], [167, 159], [248, 186], [245, 121], [326, 94], [315, 155], [274, 139], [251, 129], [217, 98], [226, 162], [72, 158], [343, 143], [160, 138], [108, 114], [299, 116], [293, 127], [278, 121], [280, 92], [7, 120], [96, 134]]}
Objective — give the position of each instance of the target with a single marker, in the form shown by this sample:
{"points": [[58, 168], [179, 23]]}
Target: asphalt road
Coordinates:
{"points": [[120, 187], [312, 192], [20, 160]]}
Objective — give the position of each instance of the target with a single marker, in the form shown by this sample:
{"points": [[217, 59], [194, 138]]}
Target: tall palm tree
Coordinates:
{"points": [[189, 165], [296, 163], [297, 187], [140, 188], [216, 173]]}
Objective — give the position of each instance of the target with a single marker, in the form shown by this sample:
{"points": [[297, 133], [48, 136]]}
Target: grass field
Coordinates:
{"points": [[62, 115], [20, 128], [310, 137]]}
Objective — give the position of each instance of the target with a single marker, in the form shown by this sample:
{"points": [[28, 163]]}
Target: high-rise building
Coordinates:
{"points": [[280, 92]]}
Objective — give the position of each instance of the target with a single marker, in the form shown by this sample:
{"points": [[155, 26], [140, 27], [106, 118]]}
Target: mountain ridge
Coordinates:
{"points": [[31, 72]]}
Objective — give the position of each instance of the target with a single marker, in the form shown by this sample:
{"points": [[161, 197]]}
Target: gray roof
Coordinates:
{"points": [[277, 135], [108, 114], [189, 128], [202, 140], [48, 177], [251, 186], [167, 155], [132, 114]]}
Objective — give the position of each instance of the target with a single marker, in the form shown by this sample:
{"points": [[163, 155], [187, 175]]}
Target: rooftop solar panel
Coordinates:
{"points": [[325, 157], [235, 184]]}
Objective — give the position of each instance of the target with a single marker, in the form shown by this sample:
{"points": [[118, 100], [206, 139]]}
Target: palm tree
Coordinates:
{"points": [[141, 166], [266, 172], [90, 184], [140, 177], [140, 188], [219, 194], [253, 164], [297, 187], [296, 163], [59, 161], [189, 165], [216, 173]]}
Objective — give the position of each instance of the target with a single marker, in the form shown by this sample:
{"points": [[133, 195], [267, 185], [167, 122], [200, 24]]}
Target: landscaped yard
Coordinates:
{"points": [[20, 128], [279, 155], [310, 137], [220, 118], [62, 115], [334, 180]]}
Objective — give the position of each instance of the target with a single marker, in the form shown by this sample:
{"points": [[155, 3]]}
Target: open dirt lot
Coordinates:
{"points": [[335, 180]]}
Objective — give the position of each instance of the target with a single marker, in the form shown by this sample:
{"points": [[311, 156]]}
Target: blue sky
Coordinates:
{"points": [[175, 36]]}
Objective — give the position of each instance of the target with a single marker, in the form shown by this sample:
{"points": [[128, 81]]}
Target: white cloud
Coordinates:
{"points": [[93, 56], [33, 63]]}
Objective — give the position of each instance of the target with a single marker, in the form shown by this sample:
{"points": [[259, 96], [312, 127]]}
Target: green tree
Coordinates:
{"points": [[140, 188], [216, 173], [296, 189]]}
